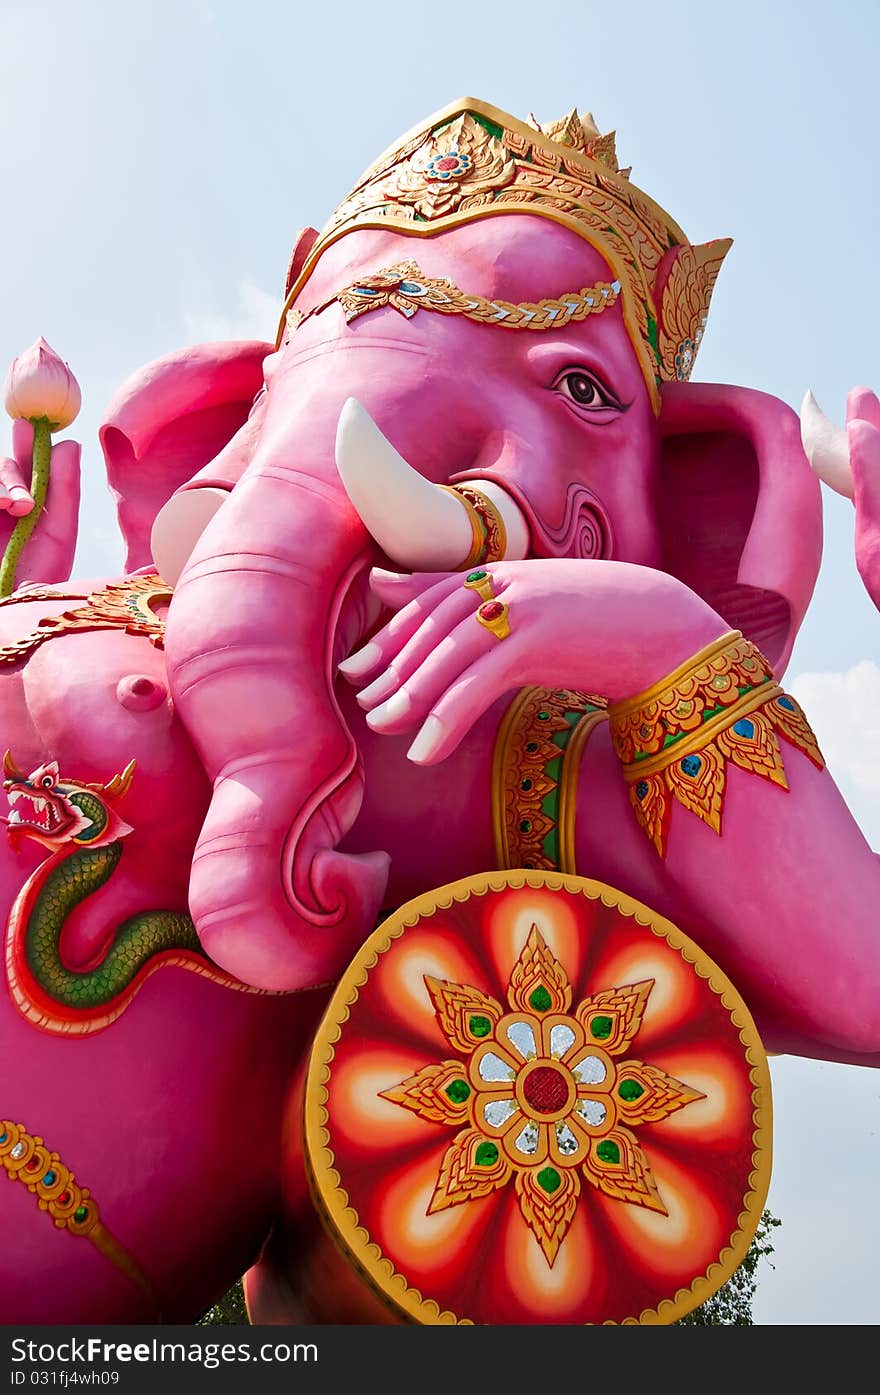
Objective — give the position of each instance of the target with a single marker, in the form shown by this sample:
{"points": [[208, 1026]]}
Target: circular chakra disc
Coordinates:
{"points": [[531, 1100]]}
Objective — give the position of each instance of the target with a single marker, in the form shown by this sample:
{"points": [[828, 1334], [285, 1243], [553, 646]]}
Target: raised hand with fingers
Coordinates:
{"points": [[848, 460]]}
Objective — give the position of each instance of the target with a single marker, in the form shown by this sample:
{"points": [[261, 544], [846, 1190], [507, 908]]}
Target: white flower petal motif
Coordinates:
{"points": [[523, 1038], [493, 1068], [565, 1140], [527, 1140], [561, 1038], [593, 1111], [589, 1071], [497, 1112]]}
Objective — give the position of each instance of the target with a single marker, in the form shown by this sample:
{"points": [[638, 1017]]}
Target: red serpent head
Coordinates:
{"points": [[54, 811]]}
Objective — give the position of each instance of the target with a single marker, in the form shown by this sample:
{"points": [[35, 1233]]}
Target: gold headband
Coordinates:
{"points": [[472, 160], [407, 289]]}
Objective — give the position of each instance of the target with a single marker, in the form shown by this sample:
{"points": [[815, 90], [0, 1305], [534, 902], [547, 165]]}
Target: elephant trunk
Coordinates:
{"points": [[254, 633]]}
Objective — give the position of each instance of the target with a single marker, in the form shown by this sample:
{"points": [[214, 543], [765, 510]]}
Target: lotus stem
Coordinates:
{"points": [[25, 526]]}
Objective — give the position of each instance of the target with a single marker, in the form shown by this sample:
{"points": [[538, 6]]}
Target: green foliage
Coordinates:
{"points": [[230, 1311], [731, 1306]]}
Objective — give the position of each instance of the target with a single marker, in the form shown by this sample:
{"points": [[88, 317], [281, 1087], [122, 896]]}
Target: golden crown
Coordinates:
{"points": [[471, 160]]}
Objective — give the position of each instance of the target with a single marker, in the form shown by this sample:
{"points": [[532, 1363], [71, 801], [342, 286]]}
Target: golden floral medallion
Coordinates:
{"points": [[531, 1100], [549, 1096]]}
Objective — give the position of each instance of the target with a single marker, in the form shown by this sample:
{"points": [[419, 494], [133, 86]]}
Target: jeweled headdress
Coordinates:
{"points": [[472, 160]]}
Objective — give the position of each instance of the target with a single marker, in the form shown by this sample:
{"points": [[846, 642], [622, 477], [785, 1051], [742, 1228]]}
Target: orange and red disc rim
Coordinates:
{"points": [[532, 1100]]}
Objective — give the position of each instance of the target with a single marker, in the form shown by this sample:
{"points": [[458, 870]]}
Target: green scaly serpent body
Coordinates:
{"points": [[136, 941]]}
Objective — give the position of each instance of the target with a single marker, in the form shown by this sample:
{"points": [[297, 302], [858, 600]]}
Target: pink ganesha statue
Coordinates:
{"points": [[412, 858]]}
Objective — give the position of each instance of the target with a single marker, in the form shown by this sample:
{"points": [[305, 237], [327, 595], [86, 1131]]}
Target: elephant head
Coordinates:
{"points": [[509, 315]]}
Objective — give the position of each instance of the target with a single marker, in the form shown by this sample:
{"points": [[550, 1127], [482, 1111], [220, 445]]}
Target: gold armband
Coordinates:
{"points": [[675, 739], [534, 786]]}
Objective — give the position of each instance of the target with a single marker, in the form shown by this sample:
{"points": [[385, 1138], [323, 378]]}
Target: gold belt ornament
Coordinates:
{"points": [[25, 1159]]}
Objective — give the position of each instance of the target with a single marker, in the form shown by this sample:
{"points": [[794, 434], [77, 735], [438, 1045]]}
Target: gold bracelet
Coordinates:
{"points": [[478, 536], [675, 739], [489, 532]]}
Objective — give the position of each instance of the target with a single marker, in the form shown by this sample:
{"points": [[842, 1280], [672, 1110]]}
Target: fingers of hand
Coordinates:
{"points": [[386, 644], [396, 589], [462, 704], [863, 405], [864, 450], [23, 445], [435, 630], [15, 497], [62, 499], [447, 642], [416, 698]]}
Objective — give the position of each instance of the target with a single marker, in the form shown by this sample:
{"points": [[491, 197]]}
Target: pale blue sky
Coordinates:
{"points": [[158, 159]]}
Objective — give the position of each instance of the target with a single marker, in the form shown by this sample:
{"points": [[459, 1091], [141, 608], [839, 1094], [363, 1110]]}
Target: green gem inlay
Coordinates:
{"points": [[458, 1091], [608, 1151], [486, 1155], [479, 1026], [540, 1000], [491, 126], [601, 1027], [476, 576], [80, 1214], [549, 1180], [630, 1089]]}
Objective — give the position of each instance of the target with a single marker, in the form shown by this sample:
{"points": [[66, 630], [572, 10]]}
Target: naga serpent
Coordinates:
{"points": [[77, 822]]}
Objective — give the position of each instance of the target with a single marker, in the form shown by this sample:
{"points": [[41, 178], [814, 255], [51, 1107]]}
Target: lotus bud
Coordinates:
{"points": [[40, 385]]}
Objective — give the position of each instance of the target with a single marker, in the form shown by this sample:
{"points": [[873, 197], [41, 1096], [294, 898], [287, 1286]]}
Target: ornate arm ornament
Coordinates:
{"points": [[675, 739]]}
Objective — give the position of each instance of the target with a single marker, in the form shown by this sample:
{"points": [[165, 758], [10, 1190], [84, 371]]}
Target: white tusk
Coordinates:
{"points": [[417, 524], [178, 526], [826, 447]]}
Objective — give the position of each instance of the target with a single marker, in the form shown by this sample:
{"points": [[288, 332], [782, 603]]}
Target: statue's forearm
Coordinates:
{"points": [[725, 778]]}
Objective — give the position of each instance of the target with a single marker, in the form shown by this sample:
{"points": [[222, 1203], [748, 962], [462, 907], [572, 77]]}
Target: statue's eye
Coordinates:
{"points": [[585, 391], [47, 782]]}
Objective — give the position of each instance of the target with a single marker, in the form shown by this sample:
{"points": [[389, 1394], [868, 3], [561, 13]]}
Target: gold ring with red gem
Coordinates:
{"points": [[494, 616]]}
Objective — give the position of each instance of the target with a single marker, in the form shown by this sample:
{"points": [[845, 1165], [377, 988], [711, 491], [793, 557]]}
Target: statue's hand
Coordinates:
{"points": [[49, 552], [863, 432], [610, 628], [848, 461]]}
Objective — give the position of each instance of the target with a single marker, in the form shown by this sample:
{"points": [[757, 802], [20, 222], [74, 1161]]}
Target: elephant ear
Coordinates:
{"points": [[740, 509], [167, 422]]}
